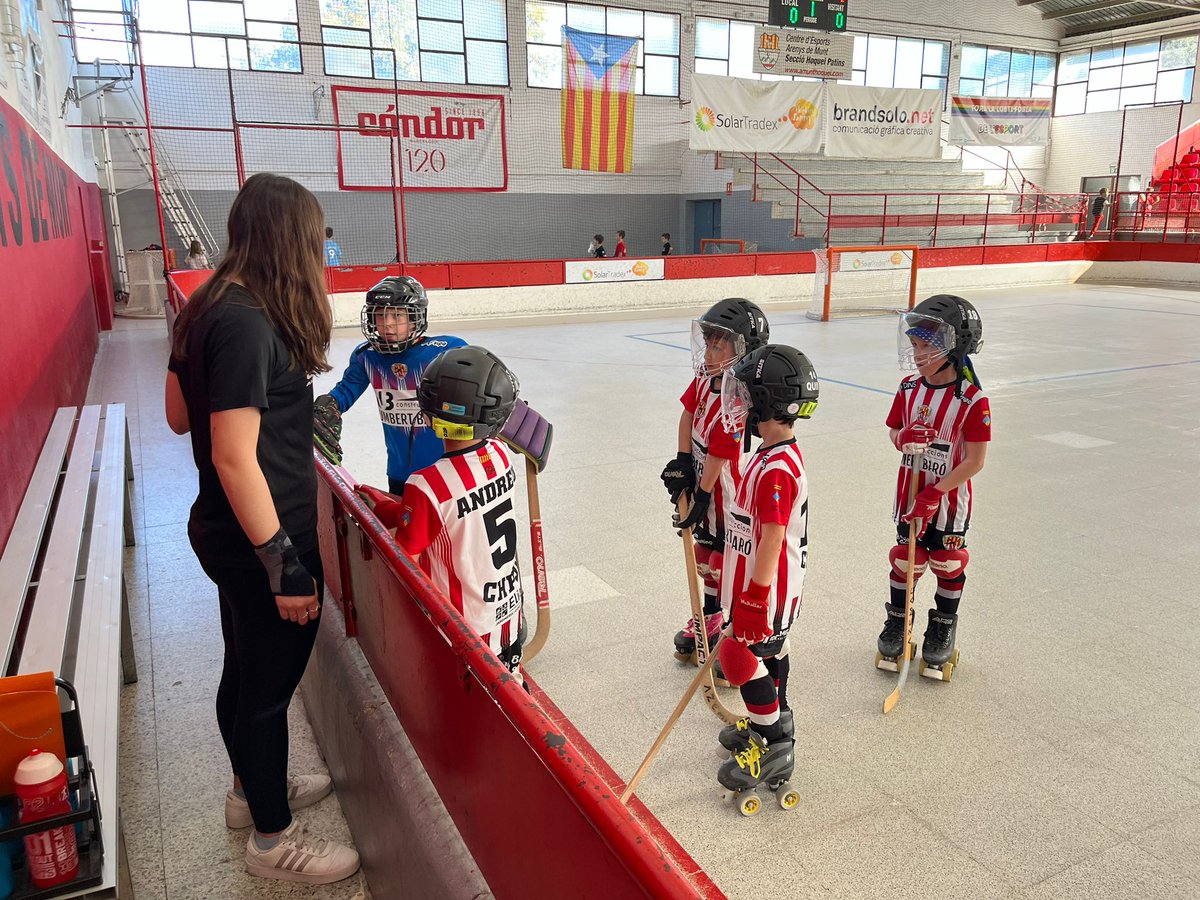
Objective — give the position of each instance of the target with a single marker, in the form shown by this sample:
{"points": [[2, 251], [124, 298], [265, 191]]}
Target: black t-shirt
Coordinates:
{"points": [[1098, 205], [599, 253], [666, 251], [235, 360]]}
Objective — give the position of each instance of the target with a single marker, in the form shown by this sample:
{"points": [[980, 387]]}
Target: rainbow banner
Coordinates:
{"points": [[1000, 121], [599, 73]]}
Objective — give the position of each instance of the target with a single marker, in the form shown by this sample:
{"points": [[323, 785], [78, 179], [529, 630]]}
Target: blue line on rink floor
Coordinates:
{"points": [[1164, 312], [1186, 362]]}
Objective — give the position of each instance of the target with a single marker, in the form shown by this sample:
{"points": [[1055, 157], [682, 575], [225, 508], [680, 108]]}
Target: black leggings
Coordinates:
{"points": [[265, 657]]}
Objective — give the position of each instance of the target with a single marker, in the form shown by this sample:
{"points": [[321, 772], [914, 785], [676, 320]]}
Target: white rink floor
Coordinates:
{"points": [[1062, 760]]}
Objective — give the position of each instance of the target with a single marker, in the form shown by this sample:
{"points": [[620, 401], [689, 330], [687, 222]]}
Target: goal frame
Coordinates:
{"points": [[824, 314], [706, 242]]}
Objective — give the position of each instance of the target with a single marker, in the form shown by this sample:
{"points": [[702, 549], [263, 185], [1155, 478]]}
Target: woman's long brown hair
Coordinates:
{"points": [[275, 249]]}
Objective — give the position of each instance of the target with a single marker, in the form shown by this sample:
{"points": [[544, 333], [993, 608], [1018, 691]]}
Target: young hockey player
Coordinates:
{"points": [[391, 361], [940, 420], [456, 516], [766, 553], [708, 465]]}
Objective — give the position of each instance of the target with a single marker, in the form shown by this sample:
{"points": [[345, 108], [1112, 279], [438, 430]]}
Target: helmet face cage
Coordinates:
{"points": [[736, 402], [925, 337], [715, 348], [392, 296]]}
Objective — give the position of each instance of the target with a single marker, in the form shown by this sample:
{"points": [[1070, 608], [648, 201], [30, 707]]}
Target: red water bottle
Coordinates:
{"points": [[42, 789]]}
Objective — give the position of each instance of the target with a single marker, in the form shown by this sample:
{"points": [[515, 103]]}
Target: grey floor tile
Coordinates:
{"points": [[1121, 871]]}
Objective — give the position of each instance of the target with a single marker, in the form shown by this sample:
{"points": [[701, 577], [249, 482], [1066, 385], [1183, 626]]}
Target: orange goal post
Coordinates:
{"points": [[864, 281], [721, 245]]}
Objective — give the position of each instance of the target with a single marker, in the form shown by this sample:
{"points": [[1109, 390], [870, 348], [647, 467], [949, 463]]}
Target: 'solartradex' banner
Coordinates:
{"points": [[435, 141], [602, 271], [755, 116], [882, 123], [999, 121]]}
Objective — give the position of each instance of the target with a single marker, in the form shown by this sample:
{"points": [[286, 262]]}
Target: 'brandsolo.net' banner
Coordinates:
{"points": [[736, 114], [999, 122]]}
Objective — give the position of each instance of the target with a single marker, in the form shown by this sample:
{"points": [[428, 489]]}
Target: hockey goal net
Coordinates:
{"points": [[721, 245], [864, 281]]}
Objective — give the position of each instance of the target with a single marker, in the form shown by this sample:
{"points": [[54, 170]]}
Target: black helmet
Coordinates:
{"points": [[736, 318], [395, 292], [772, 382], [468, 393], [963, 332]]}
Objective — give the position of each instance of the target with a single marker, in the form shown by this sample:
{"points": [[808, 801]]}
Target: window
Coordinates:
{"points": [[726, 47], [101, 30], [1001, 72], [1102, 79], [262, 35], [883, 61], [658, 49], [451, 41]]}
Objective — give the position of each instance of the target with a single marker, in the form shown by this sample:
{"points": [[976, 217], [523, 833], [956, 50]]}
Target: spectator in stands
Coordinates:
{"points": [[597, 247], [243, 354], [1098, 204], [620, 248], [333, 253], [197, 258], [666, 243]]}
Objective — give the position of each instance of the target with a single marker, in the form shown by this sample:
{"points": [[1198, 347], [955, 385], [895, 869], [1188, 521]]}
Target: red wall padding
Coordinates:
{"points": [[51, 314]]}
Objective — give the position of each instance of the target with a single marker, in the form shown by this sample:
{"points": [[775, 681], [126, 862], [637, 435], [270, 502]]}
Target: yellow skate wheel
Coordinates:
{"points": [[788, 797], [912, 650], [749, 805], [920, 666], [954, 659], [947, 671]]}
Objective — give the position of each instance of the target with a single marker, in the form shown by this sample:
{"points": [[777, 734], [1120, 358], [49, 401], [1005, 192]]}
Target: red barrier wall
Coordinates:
{"points": [[534, 802], [51, 313]]}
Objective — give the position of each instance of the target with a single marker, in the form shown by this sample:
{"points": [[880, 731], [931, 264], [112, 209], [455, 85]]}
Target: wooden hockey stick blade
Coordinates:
{"points": [[528, 432], [540, 586], [702, 652], [889, 702], [705, 671]]}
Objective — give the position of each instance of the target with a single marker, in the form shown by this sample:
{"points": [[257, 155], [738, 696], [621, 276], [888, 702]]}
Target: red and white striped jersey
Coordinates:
{"points": [[709, 437], [958, 419], [774, 490], [458, 522]]}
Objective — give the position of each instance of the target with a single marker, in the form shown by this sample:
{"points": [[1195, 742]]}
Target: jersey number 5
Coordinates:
{"points": [[502, 529]]}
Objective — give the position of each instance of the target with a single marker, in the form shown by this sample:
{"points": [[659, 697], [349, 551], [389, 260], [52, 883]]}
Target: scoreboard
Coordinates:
{"points": [[818, 15]]}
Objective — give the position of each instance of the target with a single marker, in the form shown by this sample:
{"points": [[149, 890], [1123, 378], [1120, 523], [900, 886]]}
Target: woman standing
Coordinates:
{"points": [[196, 258], [243, 355]]}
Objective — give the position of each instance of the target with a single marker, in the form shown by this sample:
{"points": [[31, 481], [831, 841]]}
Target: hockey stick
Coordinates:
{"points": [[704, 672], [707, 688], [893, 698], [527, 432]]}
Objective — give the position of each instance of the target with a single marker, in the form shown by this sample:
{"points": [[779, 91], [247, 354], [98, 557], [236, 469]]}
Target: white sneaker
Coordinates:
{"points": [[300, 857], [303, 790]]}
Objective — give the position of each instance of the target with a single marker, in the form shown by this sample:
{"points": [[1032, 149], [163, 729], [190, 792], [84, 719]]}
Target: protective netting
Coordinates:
{"points": [[853, 281]]}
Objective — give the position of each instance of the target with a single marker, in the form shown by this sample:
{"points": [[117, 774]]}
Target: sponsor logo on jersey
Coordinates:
{"points": [[429, 343], [953, 541], [399, 370], [987, 420]]}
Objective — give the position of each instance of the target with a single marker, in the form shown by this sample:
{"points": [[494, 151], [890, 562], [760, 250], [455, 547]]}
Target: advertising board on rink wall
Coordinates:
{"points": [[999, 122], [433, 141], [755, 116], [853, 122], [794, 51], [603, 271]]}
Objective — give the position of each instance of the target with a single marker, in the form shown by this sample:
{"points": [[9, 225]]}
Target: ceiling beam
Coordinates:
{"points": [[1125, 22], [1086, 8]]}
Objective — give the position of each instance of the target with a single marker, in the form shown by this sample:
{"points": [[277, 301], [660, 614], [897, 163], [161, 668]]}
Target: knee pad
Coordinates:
{"points": [[737, 662], [949, 565], [898, 557], [708, 566]]}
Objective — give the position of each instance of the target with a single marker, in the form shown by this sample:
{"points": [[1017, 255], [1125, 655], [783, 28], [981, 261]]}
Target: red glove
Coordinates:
{"points": [[750, 614], [915, 438], [925, 507], [387, 508]]}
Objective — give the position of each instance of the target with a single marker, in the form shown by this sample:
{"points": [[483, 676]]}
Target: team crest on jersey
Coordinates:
{"points": [[987, 420], [924, 412], [406, 516], [953, 541], [399, 370]]}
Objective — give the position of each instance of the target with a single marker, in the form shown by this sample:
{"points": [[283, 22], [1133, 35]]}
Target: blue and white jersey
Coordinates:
{"points": [[333, 253], [411, 445]]}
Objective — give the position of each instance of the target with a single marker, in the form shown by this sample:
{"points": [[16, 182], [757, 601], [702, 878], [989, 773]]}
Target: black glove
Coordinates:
{"points": [[701, 500], [287, 574], [327, 428], [679, 476]]}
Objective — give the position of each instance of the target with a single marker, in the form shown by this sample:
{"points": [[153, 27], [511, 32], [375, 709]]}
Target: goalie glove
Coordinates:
{"points": [[327, 428]]}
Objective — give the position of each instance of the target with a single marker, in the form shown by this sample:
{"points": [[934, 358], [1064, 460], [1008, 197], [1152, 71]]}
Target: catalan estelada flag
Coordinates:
{"points": [[599, 73]]}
